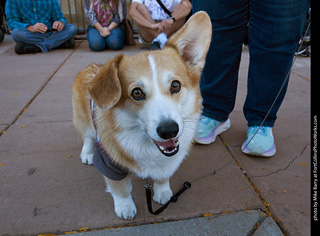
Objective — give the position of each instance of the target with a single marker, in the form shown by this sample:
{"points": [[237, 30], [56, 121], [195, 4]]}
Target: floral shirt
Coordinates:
{"points": [[105, 14], [157, 13]]}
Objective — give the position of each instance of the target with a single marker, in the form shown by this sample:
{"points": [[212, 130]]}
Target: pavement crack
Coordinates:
{"points": [[258, 224], [43, 122], [39, 91], [300, 76], [286, 167]]}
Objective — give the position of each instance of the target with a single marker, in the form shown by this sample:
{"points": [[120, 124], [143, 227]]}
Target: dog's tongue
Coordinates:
{"points": [[167, 144]]}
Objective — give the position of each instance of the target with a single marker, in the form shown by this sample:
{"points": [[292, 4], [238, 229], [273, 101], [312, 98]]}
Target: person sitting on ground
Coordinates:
{"points": [[105, 29], [155, 25], [38, 26], [2, 28]]}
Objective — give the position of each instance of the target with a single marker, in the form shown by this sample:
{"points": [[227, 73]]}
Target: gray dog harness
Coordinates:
{"points": [[101, 159]]}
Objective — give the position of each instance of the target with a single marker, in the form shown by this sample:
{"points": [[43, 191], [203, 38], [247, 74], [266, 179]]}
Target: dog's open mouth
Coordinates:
{"points": [[169, 147]]}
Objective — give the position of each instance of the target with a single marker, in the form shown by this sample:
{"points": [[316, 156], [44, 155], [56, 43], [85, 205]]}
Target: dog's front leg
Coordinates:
{"points": [[88, 147], [124, 206], [162, 191], [87, 151]]}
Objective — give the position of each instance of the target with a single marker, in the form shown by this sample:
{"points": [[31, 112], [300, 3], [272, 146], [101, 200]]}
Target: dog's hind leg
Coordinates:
{"points": [[120, 190], [162, 191], [88, 147]]}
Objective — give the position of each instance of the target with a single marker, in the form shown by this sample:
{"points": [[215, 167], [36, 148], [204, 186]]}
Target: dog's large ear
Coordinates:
{"points": [[193, 40], [105, 87]]}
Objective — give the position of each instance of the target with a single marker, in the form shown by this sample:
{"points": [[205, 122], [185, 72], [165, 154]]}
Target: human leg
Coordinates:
{"points": [[147, 34], [25, 36], [55, 39], [220, 75], [27, 42], [46, 41], [179, 9], [174, 28], [115, 39], [271, 55], [96, 41]]}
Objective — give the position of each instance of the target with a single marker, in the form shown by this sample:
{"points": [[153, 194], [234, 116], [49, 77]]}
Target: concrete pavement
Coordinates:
{"points": [[44, 188]]}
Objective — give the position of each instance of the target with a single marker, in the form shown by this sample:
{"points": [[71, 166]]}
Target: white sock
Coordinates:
{"points": [[162, 39]]}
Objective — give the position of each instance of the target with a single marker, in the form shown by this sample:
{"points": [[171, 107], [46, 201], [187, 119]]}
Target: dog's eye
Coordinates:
{"points": [[137, 94], [175, 86]]}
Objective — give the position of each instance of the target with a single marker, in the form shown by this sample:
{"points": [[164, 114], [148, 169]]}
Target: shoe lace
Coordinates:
{"points": [[204, 120], [263, 130]]}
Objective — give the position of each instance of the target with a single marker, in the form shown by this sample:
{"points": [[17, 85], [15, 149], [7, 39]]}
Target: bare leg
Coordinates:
{"points": [[146, 33], [174, 28], [180, 9]]}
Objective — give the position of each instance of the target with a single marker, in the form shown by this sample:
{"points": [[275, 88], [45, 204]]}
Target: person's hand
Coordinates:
{"points": [[58, 25], [167, 23], [104, 32], [38, 27], [158, 27]]}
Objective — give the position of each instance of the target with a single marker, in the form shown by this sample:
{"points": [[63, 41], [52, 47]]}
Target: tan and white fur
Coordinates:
{"points": [[148, 106]]}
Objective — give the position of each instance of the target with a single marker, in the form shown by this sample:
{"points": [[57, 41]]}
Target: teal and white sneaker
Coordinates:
{"points": [[262, 144], [208, 129]]}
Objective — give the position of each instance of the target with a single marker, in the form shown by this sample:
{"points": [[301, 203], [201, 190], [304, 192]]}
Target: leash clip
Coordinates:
{"points": [[174, 198], [148, 186]]}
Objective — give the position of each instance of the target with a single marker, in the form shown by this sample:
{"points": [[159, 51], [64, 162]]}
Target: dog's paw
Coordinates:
{"points": [[162, 197], [87, 150], [87, 159], [126, 212], [125, 208], [162, 191]]}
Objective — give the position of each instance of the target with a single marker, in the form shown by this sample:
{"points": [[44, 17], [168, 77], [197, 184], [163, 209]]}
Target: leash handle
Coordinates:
{"points": [[174, 198], [186, 186]]}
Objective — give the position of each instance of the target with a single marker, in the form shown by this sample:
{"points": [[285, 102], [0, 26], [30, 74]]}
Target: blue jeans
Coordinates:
{"points": [[275, 28], [113, 41], [46, 41]]}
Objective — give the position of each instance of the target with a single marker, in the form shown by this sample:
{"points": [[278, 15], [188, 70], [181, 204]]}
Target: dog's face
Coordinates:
{"points": [[154, 97], [159, 97]]}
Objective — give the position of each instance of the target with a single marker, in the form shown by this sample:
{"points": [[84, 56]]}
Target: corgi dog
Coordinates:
{"points": [[141, 113]]}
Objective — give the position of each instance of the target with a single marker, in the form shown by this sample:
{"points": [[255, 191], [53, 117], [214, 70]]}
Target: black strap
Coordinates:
{"points": [[174, 198], [164, 8]]}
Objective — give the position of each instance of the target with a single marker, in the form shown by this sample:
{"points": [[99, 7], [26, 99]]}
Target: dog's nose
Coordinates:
{"points": [[168, 129]]}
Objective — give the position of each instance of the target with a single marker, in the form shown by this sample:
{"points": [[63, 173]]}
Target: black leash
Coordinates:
{"points": [[174, 198]]}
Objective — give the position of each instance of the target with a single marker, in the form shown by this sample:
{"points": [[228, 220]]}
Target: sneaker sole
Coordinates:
{"points": [[269, 153], [212, 136]]}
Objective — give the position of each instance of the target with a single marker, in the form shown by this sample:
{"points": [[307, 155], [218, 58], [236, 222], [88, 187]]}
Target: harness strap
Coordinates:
{"points": [[102, 160], [164, 8]]}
